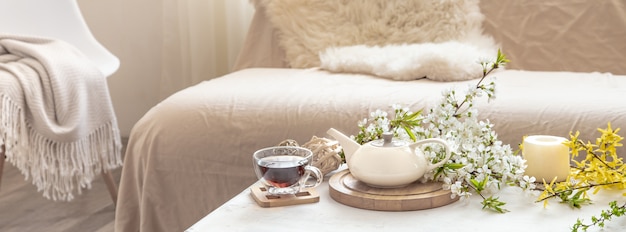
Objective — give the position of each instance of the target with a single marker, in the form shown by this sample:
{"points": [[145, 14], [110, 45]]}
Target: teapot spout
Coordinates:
{"points": [[349, 146]]}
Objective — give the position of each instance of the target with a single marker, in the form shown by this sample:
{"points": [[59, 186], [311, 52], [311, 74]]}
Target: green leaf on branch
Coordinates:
{"points": [[410, 133], [480, 186], [447, 166], [407, 122], [453, 166], [576, 200], [500, 60], [605, 215], [494, 204]]}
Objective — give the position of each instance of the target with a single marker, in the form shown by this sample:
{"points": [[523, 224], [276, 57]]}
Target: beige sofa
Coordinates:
{"points": [[192, 152]]}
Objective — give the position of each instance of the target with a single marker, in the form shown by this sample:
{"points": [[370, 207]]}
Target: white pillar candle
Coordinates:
{"points": [[547, 157]]}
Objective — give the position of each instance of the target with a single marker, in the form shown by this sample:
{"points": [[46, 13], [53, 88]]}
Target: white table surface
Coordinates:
{"points": [[243, 214]]}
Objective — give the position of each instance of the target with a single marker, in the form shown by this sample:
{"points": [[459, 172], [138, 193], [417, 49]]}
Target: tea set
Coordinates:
{"points": [[384, 163]]}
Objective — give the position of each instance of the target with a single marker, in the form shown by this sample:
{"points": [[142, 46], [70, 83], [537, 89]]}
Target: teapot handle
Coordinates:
{"points": [[433, 140]]}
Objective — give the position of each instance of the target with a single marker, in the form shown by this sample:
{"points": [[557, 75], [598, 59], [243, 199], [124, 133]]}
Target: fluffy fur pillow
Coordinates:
{"points": [[448, 61], [308, 27]]}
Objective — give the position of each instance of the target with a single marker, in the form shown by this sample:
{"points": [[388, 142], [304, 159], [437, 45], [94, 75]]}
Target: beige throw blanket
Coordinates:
{"points": [[57, 124]]}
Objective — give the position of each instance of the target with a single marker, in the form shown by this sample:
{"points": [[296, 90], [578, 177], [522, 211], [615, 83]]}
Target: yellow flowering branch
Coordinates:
{"points": [[600, 169]]}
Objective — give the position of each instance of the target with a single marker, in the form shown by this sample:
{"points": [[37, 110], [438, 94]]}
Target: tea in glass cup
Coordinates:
{"points": [[286, 169]]}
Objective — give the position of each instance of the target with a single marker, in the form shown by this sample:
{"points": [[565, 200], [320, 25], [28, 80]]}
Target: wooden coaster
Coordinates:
{"points": [[263, 199], [345, 189]]}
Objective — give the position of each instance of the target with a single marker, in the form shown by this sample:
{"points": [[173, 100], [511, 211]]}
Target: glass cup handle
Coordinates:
{"points": [[311, 171]]}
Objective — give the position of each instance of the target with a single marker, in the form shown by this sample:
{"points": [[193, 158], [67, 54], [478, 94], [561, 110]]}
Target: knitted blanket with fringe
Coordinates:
{"points": [[57, 124]]}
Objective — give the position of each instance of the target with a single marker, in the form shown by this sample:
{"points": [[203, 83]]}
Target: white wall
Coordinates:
{"points": [[133, 31], [130, 29]]}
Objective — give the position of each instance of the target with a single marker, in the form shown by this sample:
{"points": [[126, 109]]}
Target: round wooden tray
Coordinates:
{"points": [[345, 189]]}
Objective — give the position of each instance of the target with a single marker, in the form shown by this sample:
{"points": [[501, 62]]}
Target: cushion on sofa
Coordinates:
{"points": [[308, 28]]}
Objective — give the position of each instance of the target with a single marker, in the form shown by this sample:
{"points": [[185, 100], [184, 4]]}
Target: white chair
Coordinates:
{"points": [[58, 19]]}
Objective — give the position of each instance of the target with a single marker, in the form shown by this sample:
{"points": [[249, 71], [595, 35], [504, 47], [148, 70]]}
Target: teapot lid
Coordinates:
{"points": [[388, 141]]}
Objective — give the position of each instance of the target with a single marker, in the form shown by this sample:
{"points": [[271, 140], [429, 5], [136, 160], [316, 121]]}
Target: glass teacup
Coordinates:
{"points": [[286, 169]]}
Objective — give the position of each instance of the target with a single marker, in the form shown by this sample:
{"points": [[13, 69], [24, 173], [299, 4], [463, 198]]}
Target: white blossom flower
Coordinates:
{"points": [[378, 113], [527, 182], [362, 122], [485, 61]]}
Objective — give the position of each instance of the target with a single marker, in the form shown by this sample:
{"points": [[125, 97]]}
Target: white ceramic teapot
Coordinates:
{"points": [[387, 163]]}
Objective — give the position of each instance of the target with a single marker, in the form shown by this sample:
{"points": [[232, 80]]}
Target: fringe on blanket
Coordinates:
{"points": [[57, 169]]}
